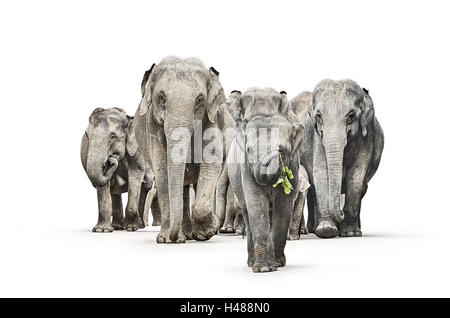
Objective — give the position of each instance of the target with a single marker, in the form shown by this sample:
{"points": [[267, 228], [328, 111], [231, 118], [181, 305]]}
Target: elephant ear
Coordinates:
{"points": [[298, 130], [146, 100], [234, 105], [284, 105], [131, 142], [216, 96], [367, 112]]}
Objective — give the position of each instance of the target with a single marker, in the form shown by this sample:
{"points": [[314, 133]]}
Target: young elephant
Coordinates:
{"points": [[266, 132], [341, 151], [114, 165]]}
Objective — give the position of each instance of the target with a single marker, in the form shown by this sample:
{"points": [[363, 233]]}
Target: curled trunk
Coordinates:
{"points": [[100, 168]]}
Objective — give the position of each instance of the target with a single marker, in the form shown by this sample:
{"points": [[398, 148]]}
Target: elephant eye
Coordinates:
{"points": [[319, 118], [199, 102], [350, 118], [161, 99], [112, 136]]}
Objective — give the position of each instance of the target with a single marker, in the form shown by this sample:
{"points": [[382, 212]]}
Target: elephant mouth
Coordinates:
{"points": [[110, 167]]}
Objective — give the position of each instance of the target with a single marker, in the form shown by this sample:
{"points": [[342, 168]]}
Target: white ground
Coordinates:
{"points": [[80, 263], [61, 60]]}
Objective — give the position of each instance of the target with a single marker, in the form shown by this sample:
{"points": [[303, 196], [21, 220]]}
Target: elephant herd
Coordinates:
{"points": [[253, 160]]}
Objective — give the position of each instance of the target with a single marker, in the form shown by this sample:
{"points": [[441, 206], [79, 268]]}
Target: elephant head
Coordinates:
{"points": [[341, 112], [267, 128], [110, 134], [179, 93]]}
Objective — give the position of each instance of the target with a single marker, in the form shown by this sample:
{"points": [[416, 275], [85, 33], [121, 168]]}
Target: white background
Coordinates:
{"points": [[60, 60]]}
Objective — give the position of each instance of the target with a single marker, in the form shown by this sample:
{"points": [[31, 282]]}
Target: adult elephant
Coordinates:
{"points": [[177, 95], [341, 151]]}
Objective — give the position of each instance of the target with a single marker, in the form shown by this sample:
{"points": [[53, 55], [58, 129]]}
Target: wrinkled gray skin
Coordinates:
{"points": [[297, 225], [176, 92], [151, 204], [341, 151], [230, 214], [252, 178], [114, 165]]}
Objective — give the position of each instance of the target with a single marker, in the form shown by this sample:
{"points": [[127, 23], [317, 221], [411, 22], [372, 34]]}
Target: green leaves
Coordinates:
{"points": [[283, 179]]}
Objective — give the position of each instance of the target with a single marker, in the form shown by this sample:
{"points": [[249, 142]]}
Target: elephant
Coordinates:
{"points": [[114, 164], [179, 112], [341, 152], [266, 133]]}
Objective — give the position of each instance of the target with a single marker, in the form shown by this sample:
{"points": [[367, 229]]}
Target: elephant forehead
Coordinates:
{"points": [[178, 78]]}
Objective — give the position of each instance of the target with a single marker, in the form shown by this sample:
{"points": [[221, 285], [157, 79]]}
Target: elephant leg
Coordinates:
{"points": [[186, 224], [311, 202], [297, 216], [282, 213], [229, 214], [148, 203], [156, 212], [133, 220], [238, 220], [250, 244], [141, 206], [104, 210], [259, 224], [205, 223], [355, 188], [303, 228], [117, 211]]}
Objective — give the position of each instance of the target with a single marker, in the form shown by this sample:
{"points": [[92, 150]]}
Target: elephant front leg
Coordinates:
{"points": [[259, 225], [104, 210], [205, 223], [117, 211], [133, 220], [282, 212]]}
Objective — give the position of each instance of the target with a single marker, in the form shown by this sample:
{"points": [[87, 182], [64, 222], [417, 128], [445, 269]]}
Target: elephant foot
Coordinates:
{"points": [[311, 229], [251, 261], [293, 236], [303, 230], [281, 261], [326, 229], [227, 229], [156, 223], [117, 226], [163, 237], [350, 230], [133, 223], [239, 231], [103, 228], [188, 236], [264, 267], [205, 228]]}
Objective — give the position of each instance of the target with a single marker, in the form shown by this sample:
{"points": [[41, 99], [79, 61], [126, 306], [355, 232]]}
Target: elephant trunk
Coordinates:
{"points": [[334, 150], [176, 157], [100, 168]]}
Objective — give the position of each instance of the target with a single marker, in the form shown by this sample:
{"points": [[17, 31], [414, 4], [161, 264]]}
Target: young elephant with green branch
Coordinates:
{"points": [[265, 148]]}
